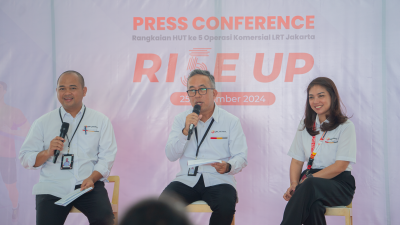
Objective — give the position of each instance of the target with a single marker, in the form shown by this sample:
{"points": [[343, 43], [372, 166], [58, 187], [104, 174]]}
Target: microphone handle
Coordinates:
{"points": [[56, 153], [190, 131]]}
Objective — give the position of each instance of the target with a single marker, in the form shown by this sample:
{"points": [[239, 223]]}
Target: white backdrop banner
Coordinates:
{"points": [[136, 56]]}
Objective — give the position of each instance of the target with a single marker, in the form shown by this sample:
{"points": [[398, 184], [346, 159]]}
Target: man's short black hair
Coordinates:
{"points": [[204, 73], [81, 80], [4, 85]]}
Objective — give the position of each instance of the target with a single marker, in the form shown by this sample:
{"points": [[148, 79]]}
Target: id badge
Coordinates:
{"points": [[67, 161], [192, 171]]}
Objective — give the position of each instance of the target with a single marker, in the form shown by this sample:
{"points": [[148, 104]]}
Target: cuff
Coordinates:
{"points": [[32, 161], [233, 167], [294, 156], [182, 137], [103, 170], [344, 158]]}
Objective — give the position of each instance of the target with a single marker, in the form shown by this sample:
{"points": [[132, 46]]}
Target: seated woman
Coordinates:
{"points": [[326, 138]]}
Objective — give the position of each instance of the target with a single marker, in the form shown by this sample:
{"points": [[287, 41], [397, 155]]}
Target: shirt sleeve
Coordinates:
{"points": [[347, 146], [296, 150], [176, 140], [107, 150], [237, 148], [33, 144]]}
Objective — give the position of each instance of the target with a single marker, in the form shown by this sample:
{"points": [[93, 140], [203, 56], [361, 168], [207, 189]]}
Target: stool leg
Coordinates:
{"points": [[349, 220]]}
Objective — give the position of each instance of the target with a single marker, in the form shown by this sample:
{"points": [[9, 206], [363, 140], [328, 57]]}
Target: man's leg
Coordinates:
{"points": [[95, 205], [222, 201], [49, 213], [182, 191]]}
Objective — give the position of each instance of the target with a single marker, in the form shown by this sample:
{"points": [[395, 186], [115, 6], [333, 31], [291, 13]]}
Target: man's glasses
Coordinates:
{"points": [[202, 91]]}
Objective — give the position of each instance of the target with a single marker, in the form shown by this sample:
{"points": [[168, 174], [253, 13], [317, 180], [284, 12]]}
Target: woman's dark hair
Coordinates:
{"points": [[335, 115]]}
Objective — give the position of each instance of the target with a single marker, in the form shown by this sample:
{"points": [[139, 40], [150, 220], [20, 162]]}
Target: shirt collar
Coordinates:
{"points": [[318, 124], [63, 112], [215, 113]]}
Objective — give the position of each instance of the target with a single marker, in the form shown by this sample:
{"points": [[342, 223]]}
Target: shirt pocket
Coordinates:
{"points": [[89, 142], [327, 153], [220, 144]]}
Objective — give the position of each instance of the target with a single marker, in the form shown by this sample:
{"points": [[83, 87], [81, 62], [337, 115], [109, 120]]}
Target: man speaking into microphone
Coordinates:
{"points": [[217, 135], [89, 147]]}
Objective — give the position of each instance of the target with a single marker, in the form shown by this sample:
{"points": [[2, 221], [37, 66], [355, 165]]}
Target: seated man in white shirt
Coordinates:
{"points": [[223, 140], [89, 144]]}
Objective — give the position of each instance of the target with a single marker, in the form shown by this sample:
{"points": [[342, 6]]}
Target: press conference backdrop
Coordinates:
{"points": [[136, 55]]}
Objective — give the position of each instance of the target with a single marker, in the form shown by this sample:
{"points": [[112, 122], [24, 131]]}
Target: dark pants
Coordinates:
{"points": [[221, 198], [307, 203], [95, 205]]}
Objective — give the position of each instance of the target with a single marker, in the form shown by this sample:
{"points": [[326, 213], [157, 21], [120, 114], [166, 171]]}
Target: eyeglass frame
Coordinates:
{"points": [[197, 91]]}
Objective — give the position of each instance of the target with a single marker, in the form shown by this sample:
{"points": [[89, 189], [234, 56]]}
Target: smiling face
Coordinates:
{"points": [[205, 101], [319, 100], [70, 92]]}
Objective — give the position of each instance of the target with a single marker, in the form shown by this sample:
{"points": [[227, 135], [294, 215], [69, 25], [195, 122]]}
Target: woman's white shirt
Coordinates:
{"points": [[339, 144]]}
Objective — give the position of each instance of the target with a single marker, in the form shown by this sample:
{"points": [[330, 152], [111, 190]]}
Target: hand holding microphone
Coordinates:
{"points": [[57, 143], [191, 121]]}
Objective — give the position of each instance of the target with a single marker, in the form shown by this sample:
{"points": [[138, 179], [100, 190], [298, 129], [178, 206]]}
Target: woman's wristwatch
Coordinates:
{"points": [[310, 175]]}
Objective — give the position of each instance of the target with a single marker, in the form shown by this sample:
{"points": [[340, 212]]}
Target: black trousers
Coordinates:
{"points": [[221, 198], [95, 205], [307, 203]]}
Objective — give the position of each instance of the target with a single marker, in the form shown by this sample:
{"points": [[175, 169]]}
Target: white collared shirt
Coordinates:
{"points": [[233, 149], [339, 144], [93, 146]]}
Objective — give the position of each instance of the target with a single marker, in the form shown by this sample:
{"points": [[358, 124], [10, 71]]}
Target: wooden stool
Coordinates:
{"points": [[114, 201], [345, 211], [202, 206]]}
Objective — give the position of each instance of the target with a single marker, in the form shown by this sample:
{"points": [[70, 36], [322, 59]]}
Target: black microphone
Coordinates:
{"points": [[63, 132], [196, 109]]}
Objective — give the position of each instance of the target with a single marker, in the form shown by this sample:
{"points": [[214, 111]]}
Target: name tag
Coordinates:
{"points": [[67, 162], [193, 171]]}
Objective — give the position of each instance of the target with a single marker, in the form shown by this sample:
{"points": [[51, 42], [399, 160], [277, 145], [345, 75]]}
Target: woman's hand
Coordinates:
{"points": [[290, 191]]}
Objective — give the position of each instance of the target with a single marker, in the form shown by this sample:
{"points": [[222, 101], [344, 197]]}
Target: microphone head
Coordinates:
{"points": [[196, 109], [64, 128]]}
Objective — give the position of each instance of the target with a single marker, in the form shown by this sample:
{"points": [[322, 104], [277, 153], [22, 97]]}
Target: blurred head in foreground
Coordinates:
{"points": [[156, 212]]}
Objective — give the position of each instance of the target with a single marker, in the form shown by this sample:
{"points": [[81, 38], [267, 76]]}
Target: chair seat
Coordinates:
{"points": [[199, 206], [201, 202], [202, 207], [338, 211], [114, 209]]}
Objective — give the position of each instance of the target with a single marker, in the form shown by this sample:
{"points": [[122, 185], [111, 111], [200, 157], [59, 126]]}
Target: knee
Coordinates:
{"points": [[317, 207], [226, 204], [225, 209], [102, 218]]}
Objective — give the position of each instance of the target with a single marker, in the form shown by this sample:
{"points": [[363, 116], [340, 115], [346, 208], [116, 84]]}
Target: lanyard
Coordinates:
{"points": [[204, 137], [69, 141], [314, 150]]}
